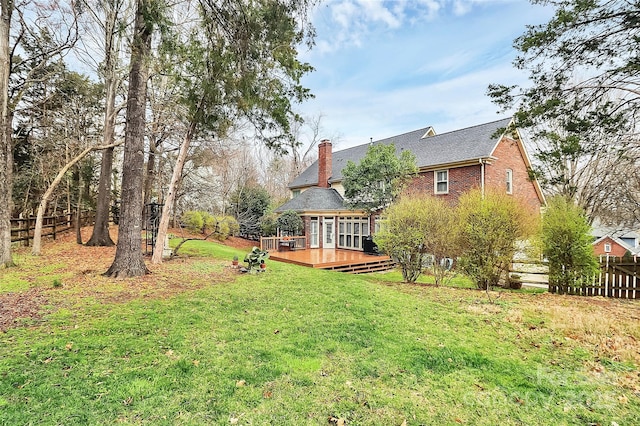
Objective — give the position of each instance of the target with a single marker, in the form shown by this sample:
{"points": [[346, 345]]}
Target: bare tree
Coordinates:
{"points": [[278, 169], [593, 168]]}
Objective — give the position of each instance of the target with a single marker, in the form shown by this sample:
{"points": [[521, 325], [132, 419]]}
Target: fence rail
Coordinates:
{"points": [[618, 278], [22, 228], [274, 243]]}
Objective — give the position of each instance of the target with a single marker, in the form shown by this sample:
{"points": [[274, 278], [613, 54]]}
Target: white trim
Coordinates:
{"points": [[314, 234], [350, 231], [509, 181], [436, 181], [326, 223]]}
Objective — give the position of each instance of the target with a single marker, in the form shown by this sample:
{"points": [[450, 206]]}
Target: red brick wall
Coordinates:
{"points": [[461, 179], [508, 156], [324, 163], [616, 249]]}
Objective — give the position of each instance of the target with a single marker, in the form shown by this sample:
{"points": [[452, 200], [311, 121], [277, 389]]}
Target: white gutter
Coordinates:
{"points": [[481, 177]]}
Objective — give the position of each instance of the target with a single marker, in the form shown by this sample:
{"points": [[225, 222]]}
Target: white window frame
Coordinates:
{"points": [[607, 247], [350, 232], [436, 181], [314, 232], [509, 182]]}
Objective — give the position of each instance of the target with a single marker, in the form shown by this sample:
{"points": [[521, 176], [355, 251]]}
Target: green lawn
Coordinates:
{"points": [[297, 346]]}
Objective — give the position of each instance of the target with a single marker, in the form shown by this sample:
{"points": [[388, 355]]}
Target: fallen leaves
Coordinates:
{"points": [[22, 305]]}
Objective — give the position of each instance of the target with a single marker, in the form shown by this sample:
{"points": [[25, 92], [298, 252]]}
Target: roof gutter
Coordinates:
{"points": [[482, 163]]}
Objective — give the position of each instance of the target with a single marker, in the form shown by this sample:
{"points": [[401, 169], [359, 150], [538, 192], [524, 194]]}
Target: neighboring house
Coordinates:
{"points": [[615, 242], [449, 164]]}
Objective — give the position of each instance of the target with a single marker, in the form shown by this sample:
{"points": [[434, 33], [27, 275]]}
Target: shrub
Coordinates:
{"points": [[418, 232], [223, 227], [220, 227], [193, 221], [268, 227], [566, 243], [290, 223], [491, 224]]}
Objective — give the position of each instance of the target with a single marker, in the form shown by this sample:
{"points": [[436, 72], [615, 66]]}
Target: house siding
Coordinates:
{"points": [[509, 156], [616, 249]]}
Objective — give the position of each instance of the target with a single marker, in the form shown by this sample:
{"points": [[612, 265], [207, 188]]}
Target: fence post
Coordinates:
{"points": [[28, 231]]}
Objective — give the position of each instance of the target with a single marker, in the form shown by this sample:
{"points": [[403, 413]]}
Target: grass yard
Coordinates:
{"points": [[196, 343]]}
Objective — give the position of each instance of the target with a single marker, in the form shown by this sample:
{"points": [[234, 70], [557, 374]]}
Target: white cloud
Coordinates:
{"points": [[374, 11], [348, 23], [385, 68]]}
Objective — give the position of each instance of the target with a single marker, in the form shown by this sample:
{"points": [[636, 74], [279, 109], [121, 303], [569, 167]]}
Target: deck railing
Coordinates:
{"points": [[273, 243]]}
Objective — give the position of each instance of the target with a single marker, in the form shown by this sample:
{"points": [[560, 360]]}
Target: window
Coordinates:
{"points": [[351, 230], [295, 192], [314, 233], [441, 181], [509, 181], [607, 248]]}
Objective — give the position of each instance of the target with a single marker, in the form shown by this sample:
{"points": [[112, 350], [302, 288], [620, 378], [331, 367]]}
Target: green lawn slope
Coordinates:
{"points": [[197, 343]]}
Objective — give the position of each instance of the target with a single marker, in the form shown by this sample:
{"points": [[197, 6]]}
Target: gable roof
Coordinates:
{"points": [[600, 230], [621, 243], [458, 146], [314, 199]]}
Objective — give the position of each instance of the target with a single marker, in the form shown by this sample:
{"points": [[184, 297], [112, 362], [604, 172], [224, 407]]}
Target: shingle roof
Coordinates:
{"points": [[314, 199], [462, 145], [600, 230]]}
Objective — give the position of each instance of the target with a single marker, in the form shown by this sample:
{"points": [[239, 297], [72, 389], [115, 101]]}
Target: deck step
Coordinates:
{"points": [[362, 268]]}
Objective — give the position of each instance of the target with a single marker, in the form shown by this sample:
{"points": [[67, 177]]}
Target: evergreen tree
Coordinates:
{"points": [[566, 243], [378, 179]]}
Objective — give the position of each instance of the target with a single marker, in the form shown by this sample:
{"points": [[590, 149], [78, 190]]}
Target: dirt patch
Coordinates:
{"points": [[240, 243]]}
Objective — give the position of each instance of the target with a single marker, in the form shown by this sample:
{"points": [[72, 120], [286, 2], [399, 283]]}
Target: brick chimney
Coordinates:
{"points": [[324, 163]]}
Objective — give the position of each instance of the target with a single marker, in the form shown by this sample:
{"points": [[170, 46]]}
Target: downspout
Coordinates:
{"points": [[482, 177]]}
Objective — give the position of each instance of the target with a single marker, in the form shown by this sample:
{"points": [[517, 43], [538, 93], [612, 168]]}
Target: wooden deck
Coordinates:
{"points": [[351, 261]]}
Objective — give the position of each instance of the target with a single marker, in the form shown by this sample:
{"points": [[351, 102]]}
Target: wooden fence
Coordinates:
{"points": [[618, 278], [22, 228]]}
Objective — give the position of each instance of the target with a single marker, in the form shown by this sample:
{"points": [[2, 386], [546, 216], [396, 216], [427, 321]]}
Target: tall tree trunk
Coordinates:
{"points": [[6, 153], [150, 175], [100, 235], [129, 261], [78, 221], [171, 194]]}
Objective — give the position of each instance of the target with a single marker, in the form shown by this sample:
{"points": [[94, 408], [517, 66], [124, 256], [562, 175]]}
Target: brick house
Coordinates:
{"points": [[612, 241], [449, 164]]}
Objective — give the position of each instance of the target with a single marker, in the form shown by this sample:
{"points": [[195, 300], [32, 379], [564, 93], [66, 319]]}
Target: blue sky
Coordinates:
{"points": [[388, 67]]}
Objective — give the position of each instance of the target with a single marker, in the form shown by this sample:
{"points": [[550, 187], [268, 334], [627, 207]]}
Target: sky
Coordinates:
{"points": [[384, 68]]}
